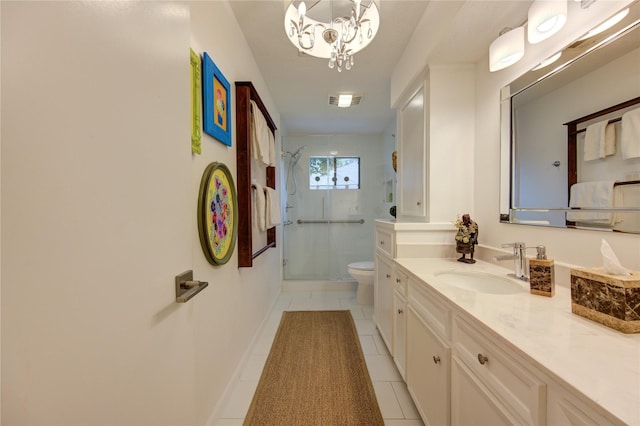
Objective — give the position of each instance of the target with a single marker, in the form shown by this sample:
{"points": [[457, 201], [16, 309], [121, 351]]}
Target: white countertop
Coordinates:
{"points": [[600, 362]]}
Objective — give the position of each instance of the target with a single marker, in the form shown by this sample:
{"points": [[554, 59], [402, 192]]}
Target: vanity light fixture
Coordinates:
{"points": [[606, 24], [585, 3], [547, 61], [337, 39], [545, 18], [507, 49]]}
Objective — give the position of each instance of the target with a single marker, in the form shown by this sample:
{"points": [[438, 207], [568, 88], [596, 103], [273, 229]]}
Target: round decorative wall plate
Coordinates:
{"points": [[217, 214]]}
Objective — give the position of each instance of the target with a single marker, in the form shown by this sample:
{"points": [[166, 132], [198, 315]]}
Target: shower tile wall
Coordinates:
{"points": [[323, 251]]}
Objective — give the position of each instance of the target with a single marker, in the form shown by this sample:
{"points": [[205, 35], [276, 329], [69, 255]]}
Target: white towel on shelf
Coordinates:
{"points": [[630, 134], [596, 194], [272, 215], [259, 207], [599, 140], [262, 140]]}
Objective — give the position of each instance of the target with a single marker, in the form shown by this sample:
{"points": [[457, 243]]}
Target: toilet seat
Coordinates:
{"points": [[361, 266]]}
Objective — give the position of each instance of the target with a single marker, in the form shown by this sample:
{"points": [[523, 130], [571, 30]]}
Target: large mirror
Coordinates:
{"points": [[570, 151]]}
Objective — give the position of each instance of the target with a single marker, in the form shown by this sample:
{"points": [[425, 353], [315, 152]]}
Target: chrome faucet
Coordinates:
{"points": [[519, 259]]}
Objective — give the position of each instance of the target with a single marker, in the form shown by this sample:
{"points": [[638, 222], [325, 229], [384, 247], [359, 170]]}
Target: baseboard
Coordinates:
{"points": [[318, 285]]}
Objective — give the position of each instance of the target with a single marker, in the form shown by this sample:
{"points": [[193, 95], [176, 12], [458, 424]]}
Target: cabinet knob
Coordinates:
{"points": [[436, 359], [388, 276], [418, 203], [398, 280], [381, 243], [482, 359], [400, 311]]}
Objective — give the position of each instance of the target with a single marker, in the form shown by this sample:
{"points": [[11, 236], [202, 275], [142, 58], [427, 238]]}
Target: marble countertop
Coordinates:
{"points": [[600, 362]]}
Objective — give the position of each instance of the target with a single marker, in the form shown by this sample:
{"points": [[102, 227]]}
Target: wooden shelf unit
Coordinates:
{"points": [[245, 92]]}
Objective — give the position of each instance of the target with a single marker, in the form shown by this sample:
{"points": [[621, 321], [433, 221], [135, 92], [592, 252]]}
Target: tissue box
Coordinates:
{"points": [[612, 300]]}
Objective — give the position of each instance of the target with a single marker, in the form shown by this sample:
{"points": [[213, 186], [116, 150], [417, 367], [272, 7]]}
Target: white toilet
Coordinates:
{"points": [[363, 273]]}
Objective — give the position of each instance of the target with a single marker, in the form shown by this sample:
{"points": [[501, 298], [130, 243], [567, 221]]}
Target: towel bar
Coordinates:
{"points": [[360, 221]]}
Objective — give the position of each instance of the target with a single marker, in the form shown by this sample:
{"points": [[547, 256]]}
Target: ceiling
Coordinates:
{"points": [[459, 32]]}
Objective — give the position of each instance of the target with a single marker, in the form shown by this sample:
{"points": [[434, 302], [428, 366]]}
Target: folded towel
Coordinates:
{"points": [[262, 140], [259, 207], [610, 140], [272, 215], [630, 134], [597, 194], [272, 149], [595, 141]]}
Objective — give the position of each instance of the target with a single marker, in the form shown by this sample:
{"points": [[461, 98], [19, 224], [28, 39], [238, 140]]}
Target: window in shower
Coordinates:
{"points": [[334, 172]]}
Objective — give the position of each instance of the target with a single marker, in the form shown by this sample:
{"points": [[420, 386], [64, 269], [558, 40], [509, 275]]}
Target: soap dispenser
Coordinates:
{"points": [[542, 274]]}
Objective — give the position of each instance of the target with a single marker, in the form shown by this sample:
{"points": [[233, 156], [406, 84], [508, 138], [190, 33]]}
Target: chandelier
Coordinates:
{"points": [[336, 39]]}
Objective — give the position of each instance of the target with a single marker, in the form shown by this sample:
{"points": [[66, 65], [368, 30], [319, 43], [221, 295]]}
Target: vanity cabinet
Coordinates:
{"points": [[383, 298], [442, 94], [428, 354], [400, 322], [460, 371], [457, 373]]}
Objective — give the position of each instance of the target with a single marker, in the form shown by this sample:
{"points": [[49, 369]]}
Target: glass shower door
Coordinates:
{"points": [[323, 232]]}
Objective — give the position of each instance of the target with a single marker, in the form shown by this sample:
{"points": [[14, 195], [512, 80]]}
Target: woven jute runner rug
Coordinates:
{"points": [[315, 374]]}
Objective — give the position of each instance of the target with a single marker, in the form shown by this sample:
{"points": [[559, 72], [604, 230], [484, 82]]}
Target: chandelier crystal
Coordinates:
{"points": [[336, 39]]}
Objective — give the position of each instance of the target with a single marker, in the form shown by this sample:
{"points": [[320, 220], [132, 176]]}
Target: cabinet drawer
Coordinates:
{"points": [[426, 305], [384, 242], [400, 282], [522, 393]]}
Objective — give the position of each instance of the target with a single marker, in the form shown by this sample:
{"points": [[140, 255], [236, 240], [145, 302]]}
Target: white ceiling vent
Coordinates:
{"points": [[342, 99]]}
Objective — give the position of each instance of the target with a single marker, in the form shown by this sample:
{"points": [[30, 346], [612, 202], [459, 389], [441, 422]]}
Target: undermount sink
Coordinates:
{"points": [[480, 282]]}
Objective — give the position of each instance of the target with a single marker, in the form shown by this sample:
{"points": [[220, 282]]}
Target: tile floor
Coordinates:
{"points": [[393, 398]]}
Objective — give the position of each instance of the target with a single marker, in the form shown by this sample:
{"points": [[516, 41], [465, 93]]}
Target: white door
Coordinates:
{"points": [[98, 213]]}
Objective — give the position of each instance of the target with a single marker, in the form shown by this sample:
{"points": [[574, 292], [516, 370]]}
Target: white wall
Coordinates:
{"points": [[99, 195], [451, 142], [566, 245]]}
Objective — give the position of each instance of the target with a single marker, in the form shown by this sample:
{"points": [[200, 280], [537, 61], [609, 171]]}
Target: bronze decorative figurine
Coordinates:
{"points": [[466, 238]]}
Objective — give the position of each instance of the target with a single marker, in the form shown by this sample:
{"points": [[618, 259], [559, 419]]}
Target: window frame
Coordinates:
{"points": [[333, 178]]}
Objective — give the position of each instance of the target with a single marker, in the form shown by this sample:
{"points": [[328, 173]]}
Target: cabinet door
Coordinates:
{"points": [[428, 364], [400, 332], [519, 391], [383, 299], [567, 409], [412, 147], [471, 402]]}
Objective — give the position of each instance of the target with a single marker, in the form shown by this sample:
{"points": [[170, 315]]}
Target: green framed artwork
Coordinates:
{"points": [[217, 214], [196, 118]]}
